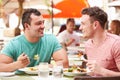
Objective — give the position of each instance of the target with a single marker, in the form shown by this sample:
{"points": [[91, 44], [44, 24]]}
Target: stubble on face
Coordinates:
{"points": [[87, 28], [37, 24]]}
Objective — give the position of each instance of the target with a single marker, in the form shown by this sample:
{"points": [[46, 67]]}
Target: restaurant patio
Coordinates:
{"points": [[55, 13]]}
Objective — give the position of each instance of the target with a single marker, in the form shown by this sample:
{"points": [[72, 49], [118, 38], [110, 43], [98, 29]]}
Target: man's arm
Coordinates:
{"points": [[69, 42], [61, 55], [7, 64], [106, 72], [97, 69]]}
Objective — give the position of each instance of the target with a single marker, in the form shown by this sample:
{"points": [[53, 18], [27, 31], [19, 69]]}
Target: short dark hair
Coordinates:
{"points": [[26, 15], [70, 20], [96, 13]]}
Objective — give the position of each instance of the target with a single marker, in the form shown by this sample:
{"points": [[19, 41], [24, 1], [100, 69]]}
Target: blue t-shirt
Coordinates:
{"points": [[40, 51]]}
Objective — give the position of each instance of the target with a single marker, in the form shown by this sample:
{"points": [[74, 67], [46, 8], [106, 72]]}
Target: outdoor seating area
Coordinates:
{"points": [[59, 39]]}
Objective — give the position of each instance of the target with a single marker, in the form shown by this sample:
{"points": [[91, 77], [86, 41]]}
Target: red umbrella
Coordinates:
{"points": [[69, 8]]}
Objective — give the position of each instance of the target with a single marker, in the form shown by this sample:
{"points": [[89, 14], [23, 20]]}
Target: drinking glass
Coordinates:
{"points": [[43, 70], [58, 70]]}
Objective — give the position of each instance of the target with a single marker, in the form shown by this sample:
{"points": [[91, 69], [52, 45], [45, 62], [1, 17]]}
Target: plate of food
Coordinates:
{"points": [[75, 71], [30, 70], [6, 74]]}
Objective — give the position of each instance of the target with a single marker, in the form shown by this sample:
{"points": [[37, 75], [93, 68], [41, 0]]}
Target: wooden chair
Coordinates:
{"points": [[96, 78]]}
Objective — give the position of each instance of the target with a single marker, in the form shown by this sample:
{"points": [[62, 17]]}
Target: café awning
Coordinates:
{"points": [[70, 8]]}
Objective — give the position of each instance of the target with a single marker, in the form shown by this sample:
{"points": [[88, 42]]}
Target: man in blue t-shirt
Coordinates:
{"points": [[33, 46]]}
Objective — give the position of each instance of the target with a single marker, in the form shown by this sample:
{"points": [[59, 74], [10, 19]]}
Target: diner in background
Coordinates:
{"points": [[69, 37], [32, 47], [102, 48], [115, 27]]}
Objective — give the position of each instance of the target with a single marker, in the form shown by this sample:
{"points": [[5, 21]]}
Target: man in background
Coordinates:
{"points": [[69, 37]]}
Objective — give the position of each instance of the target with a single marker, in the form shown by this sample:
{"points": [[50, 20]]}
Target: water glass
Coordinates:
{"points": [[43, 70], [58, 70]]}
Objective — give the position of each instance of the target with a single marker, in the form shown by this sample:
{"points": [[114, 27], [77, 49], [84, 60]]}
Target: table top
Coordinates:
{"points": [[32, 77]]}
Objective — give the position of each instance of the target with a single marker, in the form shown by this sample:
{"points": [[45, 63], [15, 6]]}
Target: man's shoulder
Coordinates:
{"points": [[17, 38], [113, 36], [63, 32], [48, 36]]}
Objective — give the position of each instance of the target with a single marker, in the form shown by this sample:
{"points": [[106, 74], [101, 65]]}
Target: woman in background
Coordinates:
{"points": [[115, 27]]}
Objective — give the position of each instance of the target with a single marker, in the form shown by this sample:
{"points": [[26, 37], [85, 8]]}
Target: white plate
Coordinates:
{"points": [[73, 56], [28, 71], [74, 73], [73, 48], [5, 74]]}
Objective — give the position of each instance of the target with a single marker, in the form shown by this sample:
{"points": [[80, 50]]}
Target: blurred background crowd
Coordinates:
{"points": [[55, 12]]}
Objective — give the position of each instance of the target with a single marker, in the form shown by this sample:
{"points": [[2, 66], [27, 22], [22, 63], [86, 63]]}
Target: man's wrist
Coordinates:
{"points": [[17, 65], [105, 72]]}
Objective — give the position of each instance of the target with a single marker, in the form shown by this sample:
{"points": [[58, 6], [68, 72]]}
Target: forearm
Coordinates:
{"points": [[61, 55], [68, 43], [9, 67], [106, 72], [65, 63]]}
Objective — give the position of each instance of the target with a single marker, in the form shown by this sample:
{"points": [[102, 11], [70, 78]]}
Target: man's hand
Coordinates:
{"points": [[94, 67], [23, 60], [70, 41]]}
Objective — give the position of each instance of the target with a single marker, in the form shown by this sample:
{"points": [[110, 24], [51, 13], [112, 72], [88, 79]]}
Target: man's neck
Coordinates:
{"points": [[32, 39], [71, 32], [99, 38]]}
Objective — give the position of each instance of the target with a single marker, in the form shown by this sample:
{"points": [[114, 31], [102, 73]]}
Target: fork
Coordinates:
{"points": [[84, 59]]}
